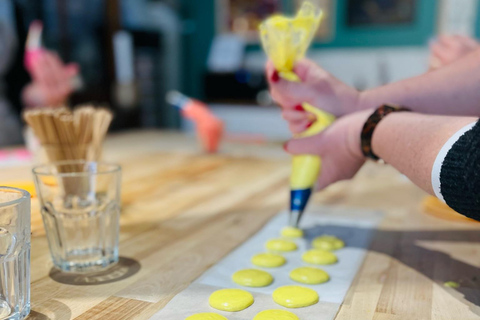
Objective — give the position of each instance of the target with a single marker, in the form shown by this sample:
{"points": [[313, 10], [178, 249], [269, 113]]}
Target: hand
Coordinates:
{"points": [[448, 49], [338, 146], [52, 81], [318, 87]]}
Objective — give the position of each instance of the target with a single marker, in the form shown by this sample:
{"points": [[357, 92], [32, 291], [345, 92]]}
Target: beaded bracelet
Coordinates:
{"points": [[371, 124]]}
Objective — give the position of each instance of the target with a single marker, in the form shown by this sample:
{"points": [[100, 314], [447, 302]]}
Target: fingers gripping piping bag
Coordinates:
{"points": [[286, 40], [209, 127]]}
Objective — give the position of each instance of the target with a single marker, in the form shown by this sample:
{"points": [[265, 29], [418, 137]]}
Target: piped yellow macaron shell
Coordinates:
{"points": [[291, 232], [320, 257], [206, 316], [232, 300], [309, 275], [252, 278], [276, 315], [268, 260], [327, 242], [281, 245], [295, 296]]}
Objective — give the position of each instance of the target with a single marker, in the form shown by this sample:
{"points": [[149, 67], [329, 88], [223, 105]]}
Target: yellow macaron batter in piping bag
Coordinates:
{"points": [[286, 40]]}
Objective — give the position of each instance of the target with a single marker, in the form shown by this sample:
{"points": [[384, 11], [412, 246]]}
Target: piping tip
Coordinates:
{"points": [[294, 218]]}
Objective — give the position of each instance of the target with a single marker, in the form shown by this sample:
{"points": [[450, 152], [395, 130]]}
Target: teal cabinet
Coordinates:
{"points": [[417, 32]]}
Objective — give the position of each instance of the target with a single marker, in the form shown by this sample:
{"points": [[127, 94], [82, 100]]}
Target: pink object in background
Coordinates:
{"points": [[22, 154], [15, 156], [33, 47], [3, 155], [209, 127]]}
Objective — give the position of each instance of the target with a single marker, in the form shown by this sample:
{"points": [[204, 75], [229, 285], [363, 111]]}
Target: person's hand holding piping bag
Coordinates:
{"points": [[316, 87], [422, 147], [415, 144], [338, 147]]}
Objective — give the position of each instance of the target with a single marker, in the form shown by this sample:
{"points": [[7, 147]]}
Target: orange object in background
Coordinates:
{"points": [[437, 208], [28, 186], [209, 128]]}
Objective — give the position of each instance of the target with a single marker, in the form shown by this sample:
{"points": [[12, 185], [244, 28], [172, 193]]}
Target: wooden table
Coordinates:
{"points": [[183, 211]]}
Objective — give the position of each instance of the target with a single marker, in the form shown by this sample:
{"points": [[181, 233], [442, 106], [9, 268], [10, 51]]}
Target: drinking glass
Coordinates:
{"points": [[80, 203], [14, 253]]}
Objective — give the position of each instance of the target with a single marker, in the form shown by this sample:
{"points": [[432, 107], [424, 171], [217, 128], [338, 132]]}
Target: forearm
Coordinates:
{"points": [[451, 90], [410, 142]]}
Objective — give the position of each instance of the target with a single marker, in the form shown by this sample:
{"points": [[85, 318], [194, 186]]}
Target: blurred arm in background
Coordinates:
{"points": [[51, 81], [450, 48]]}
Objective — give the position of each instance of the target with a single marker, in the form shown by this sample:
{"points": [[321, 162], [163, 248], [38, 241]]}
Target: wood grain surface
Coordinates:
{"points": [[183, 211]]}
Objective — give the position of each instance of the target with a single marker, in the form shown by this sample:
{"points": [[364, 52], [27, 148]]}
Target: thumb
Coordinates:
{"points": [[303, 67], [329, 173], [310, 145], [293, 92]]}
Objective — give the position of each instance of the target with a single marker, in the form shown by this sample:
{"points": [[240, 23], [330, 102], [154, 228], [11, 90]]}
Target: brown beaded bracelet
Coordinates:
{"points": [[371, 124]]}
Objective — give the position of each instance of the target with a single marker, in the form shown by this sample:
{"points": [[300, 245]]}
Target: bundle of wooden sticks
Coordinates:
{"points": [[67, 135]]}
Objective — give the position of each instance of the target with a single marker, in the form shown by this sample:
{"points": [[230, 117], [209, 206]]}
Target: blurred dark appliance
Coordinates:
{"points": [[380, 12]]}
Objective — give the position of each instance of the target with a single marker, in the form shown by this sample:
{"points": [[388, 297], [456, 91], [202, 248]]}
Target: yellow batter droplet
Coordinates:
{"points": [[327, 242], [309, 275], [281, 245], [319, 256], [206, 316], [291, 232], [276, 315], [252, 278], [268, 260], [230, 300], [295, 296]]}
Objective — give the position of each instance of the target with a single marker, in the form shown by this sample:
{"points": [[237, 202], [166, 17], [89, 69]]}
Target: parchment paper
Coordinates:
{"points": [[355, 227]]}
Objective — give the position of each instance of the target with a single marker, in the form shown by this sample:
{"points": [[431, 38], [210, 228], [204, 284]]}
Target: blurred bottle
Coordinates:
{"points": [[125, 91]]}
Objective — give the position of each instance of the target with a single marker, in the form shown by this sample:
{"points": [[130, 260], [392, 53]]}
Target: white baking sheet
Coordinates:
{"points": [[355, 227]]}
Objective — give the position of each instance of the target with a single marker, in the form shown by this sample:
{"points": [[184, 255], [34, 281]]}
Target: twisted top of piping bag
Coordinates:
{"points": [[286, 40]]}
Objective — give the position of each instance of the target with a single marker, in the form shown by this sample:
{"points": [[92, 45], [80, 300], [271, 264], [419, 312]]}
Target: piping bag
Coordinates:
{"points": [[209, 127], [286, 40]]}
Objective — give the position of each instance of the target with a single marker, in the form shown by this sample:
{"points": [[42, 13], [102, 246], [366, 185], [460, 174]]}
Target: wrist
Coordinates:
{"points": [[364, 101], [355, 132], [375, 120]]}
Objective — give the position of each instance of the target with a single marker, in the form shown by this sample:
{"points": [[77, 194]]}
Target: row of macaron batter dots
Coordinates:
{"points": [[293, 296]]}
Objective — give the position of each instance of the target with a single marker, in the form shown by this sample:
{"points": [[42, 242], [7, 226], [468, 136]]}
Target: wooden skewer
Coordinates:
{"points": [[68, 135]]}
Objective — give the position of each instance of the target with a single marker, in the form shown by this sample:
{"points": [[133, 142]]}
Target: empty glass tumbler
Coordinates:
{"points": [[80, 203], [14, 253]]}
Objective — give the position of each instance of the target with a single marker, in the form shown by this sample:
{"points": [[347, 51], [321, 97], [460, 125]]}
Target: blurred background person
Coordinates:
{"points": [[50, 84]]}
